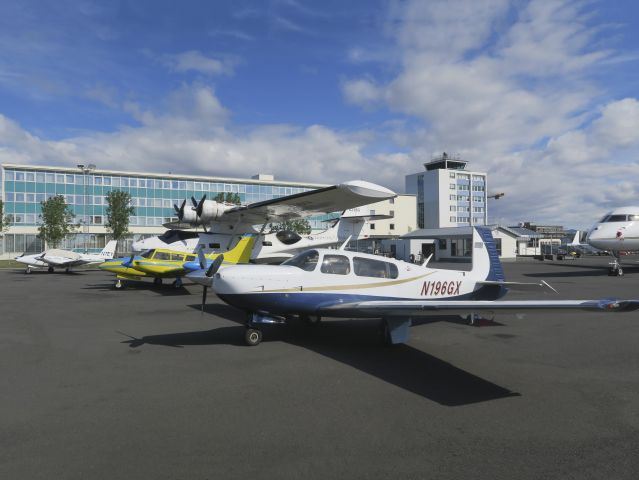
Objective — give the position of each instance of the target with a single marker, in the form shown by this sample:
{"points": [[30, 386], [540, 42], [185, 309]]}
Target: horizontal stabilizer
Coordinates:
{"points": [[522, 286]]}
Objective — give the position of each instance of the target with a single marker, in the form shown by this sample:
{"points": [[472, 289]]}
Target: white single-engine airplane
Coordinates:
{"points": [[337, 283], [616, 232], [56, 258], [274, 247]]}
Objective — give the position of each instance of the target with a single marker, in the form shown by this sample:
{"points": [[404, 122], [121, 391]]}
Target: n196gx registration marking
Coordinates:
{"points": [[441, 288]]}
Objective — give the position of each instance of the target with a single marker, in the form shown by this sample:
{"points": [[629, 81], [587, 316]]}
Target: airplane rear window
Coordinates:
{"points": [[307, 261], [177, 257], [617, 218], [367, 267], [336, 264]]}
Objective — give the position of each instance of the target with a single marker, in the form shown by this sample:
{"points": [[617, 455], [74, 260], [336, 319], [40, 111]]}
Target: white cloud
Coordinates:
{"points": [[193, 60], [508, 85]]}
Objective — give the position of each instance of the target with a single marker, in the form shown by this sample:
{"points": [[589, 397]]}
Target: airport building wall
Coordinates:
{"points": [[23, 187]]}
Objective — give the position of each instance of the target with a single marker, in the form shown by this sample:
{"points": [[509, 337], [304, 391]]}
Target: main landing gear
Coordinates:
{"points": [[252, 336], [118, 285]]}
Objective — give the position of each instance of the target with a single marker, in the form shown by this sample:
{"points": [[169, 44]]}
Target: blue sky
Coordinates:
{"points": [[542, 94]]}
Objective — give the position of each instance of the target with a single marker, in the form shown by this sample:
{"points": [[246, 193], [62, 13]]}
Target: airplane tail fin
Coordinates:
{"points": [[486, 264], [241, 253], [108, 252], [577, 239]]}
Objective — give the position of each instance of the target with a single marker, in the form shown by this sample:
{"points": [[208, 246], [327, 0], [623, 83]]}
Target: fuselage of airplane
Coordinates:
{"points": [[617, 231]]}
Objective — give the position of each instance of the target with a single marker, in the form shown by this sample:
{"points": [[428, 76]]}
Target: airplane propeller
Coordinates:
{"points": [[215, 266], [200, 206], [180, 209], [129, 262], [194, 202]]}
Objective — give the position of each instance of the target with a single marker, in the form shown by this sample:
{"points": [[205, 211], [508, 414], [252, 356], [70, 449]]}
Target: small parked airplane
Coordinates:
{"points": [[56, 258], [273, 247], [161, 263], [616, 232], [337, 283]]}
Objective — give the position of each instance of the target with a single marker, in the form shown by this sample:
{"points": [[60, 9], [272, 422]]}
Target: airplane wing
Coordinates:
{"points": [[420, 308], [62, 258], [315, 202]]}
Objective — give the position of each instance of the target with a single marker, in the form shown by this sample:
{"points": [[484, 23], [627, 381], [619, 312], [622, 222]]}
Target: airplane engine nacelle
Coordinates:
{"points": [[189, 216], [212, 210]]}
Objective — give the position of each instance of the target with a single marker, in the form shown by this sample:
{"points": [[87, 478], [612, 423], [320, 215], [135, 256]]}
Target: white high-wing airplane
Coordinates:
{"points": [[616, 232], [56, 258], [234, 219], [271, 248], [337, 283]]}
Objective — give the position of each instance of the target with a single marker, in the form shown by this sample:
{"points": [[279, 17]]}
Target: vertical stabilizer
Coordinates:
{"points": [[108, 252], [486, 264], [241, 253]]}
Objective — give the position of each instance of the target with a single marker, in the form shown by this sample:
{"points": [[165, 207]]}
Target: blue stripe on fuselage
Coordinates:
{"points": [[310, 303]]}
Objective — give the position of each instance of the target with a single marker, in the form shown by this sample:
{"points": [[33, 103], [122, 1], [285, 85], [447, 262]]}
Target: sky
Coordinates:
{"points": [[541, 94]]}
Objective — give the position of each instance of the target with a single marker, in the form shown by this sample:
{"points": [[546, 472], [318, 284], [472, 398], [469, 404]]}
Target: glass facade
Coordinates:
{"points": [[153, 196]]}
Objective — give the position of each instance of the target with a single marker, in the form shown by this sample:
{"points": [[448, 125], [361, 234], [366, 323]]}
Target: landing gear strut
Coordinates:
{"points": [[615, 269], [119, 284]]}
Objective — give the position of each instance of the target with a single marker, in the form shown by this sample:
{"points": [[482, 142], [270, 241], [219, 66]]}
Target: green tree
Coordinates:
{"points": [[301, 226], [118, 211], [228, 197], [5, 221], [57, 221]]}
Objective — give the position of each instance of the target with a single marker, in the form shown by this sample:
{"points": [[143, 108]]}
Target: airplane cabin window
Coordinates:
{"points": [[162, 256], [307, 261], [367, 267], [287, 237], [190, 258], [178, 257], [336, 264], [267, 244], [617, 218], [633, 218]]}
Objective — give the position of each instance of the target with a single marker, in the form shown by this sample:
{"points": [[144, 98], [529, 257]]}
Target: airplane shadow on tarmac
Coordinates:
{"points": [[167, 290], [355, 343]]}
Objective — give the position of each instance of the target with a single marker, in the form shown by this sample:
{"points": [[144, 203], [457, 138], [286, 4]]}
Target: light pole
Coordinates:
{"points": [[86, 169]]}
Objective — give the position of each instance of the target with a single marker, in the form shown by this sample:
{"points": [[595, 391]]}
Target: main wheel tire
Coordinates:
{"points": [[157, 281], [27, 270], [620, 272], [118, 285], [252, 337], [50, 269]]}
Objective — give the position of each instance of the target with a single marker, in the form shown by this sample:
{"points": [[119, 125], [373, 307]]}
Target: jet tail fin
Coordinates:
{"points": [[241, 253], [108, 252]]}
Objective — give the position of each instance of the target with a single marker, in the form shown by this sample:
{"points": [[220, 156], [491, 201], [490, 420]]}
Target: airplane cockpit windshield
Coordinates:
{"points": [[307, 261], [147, 254], [172, 236]]}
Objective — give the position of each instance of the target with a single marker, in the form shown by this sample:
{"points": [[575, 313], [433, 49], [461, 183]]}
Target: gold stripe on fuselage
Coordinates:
{"points": [[347, 287]]}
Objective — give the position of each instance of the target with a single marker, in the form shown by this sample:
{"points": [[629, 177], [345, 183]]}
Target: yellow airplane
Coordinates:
{"points": [[162, 263]]}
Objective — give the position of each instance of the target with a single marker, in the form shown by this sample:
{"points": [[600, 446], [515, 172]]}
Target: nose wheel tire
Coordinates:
{"points": [[119, 285], [252, 337]]}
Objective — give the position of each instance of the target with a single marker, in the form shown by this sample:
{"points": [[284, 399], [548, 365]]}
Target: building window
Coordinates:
{"points": [[453, 197], [453, 208], [452, 186], [9, 175], [451, 174], [372, 226], [97, 220], [453, 219], [392, 226], [441, 244]]}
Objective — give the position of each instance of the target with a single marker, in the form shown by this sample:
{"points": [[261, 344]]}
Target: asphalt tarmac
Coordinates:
{"points": [[105, 384]]}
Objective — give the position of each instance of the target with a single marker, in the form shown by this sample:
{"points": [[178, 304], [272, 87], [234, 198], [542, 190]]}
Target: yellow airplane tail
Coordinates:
{"points": [[241, 253]]}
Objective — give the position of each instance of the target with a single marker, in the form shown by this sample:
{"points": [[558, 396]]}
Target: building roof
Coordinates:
{"points": [[172, 176], [522, 232]]}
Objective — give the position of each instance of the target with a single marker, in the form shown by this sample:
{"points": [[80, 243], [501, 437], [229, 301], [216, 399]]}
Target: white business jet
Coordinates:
{"points": [[337, 283], [56, 258], [616, 232], [225, 222]]}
